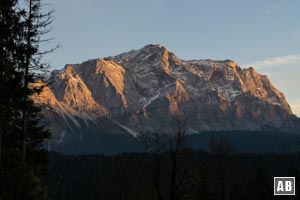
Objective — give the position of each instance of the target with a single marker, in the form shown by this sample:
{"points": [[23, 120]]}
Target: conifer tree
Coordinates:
{"points": [[10, 90], [22, 159]]}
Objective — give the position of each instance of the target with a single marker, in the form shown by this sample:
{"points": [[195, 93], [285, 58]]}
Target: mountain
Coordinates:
{"points": [[90, 106]]}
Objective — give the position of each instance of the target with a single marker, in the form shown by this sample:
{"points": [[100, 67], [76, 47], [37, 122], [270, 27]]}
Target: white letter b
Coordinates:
{"points": [[288, 186]]}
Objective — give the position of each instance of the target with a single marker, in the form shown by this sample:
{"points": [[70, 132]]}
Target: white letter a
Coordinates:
{"points": [[280, 187]]}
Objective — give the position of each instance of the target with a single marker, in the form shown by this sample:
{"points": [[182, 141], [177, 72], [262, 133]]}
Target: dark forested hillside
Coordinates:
{"points": [[104, 143], [132, 176]]}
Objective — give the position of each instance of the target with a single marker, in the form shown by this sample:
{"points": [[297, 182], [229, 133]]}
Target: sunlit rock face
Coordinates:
{"points": [[139, 90]]}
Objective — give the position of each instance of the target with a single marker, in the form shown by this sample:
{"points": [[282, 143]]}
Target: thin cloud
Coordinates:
{"points": [[276, 61]]}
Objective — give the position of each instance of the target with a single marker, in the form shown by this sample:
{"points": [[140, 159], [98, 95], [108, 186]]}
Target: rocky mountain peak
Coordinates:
{"points": [[154, 47], [139, 89], [231, 63], [149, 52]]}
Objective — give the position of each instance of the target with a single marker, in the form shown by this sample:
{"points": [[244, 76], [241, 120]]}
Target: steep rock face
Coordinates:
{"points": [[140, 89]]}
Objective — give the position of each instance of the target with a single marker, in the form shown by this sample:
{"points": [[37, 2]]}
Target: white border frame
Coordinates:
{"points": [[285, 194]]}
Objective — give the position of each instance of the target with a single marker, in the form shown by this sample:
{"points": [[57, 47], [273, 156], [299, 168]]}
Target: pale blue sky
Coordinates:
{"points": [[248, 32]]}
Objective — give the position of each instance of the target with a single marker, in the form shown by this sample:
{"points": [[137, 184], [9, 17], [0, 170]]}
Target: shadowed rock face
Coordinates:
{"points": [[138, 90]]}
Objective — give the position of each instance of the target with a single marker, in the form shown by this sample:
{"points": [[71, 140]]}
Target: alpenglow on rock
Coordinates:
{"points": [[139, 90]]}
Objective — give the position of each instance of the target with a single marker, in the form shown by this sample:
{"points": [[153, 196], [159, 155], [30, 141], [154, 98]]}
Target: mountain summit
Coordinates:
{"points": [[137, 91]]}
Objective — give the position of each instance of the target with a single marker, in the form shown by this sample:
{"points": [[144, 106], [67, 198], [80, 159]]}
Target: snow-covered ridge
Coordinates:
{"points": [[142, 65]]}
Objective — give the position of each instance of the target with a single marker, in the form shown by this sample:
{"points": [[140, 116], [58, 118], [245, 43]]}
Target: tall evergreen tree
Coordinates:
{"points": [[22, 158], [35, 26], [10, 78]]}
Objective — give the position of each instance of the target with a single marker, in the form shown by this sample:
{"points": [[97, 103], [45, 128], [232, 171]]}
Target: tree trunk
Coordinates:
{"points": [[173, 177], [223, 186], [1, 126], [26, 82], [157, 175], [1, 134]]}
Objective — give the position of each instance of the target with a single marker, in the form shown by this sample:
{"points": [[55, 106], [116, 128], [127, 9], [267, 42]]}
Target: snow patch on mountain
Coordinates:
{"points": [[151, 100], [130, 131]]}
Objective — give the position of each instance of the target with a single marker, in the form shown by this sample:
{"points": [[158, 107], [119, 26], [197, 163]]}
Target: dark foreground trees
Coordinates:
{"points": [[22, 159], [222, 149], [173, 145], [128, 176]]}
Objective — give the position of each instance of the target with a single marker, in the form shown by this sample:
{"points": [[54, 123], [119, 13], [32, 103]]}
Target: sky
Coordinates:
{"points": [[260, 33]]}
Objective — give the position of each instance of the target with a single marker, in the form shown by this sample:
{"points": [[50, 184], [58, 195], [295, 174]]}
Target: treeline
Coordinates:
{"points": [[171, 170], [208, 176], [22, 160]]}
